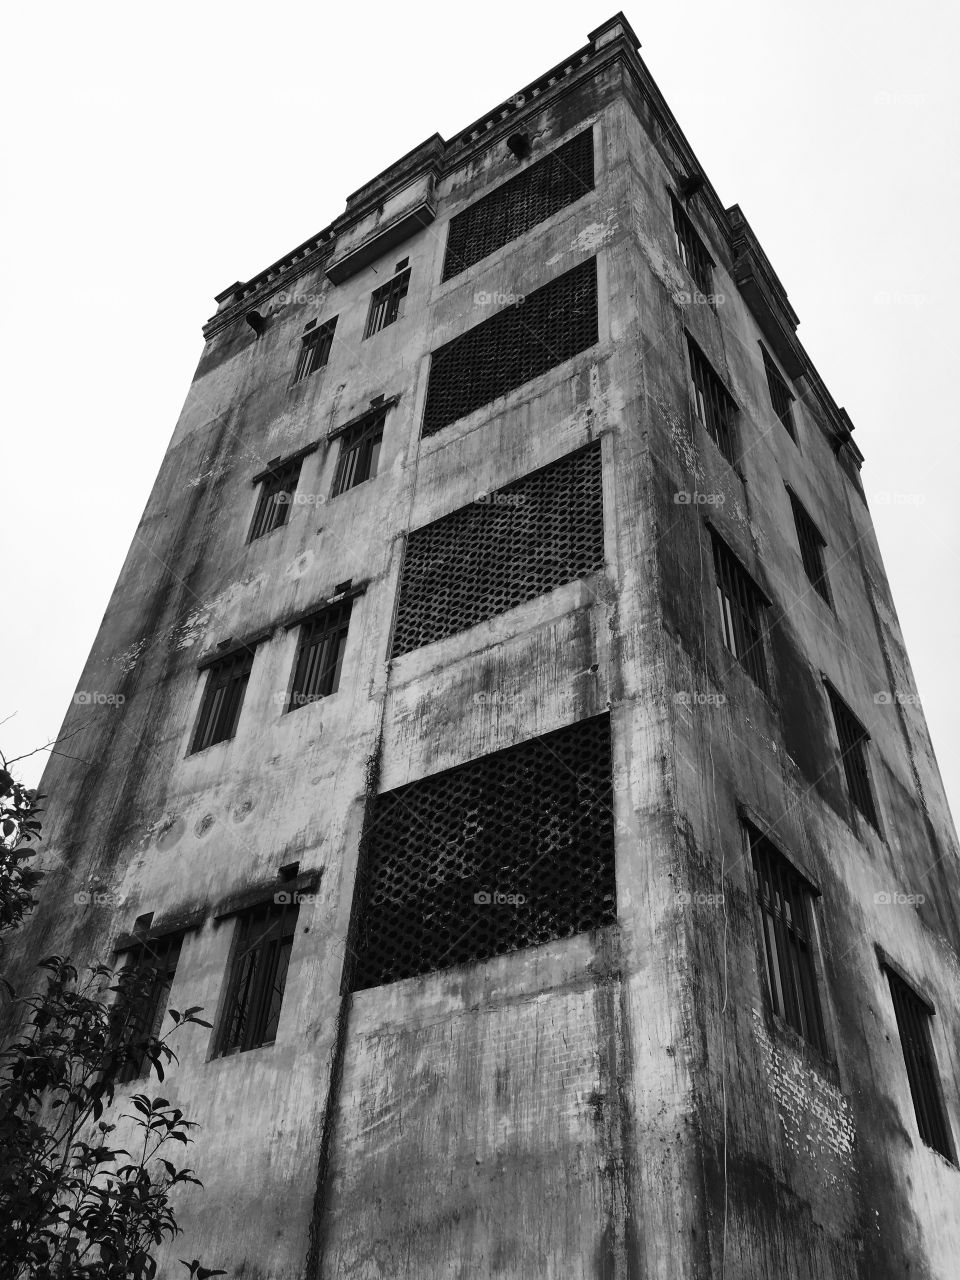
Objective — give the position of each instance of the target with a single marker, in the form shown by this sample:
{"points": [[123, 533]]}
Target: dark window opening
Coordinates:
{"points": [[715, 407], [812, 544], [853, 739], [323, 641], [691, 249], [258, 977], [512, 347], [786, 908], [510, 850], [315, 348], [504, 548], [913, 1024], [222, 699], [359, 455], [386, 303], [741, 613], [520, 204], [274, 499], [155, 964], [780, 395]]}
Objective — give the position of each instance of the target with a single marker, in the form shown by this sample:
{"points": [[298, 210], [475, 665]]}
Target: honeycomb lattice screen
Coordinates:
{"points": [[508, 851], [502, 549], [526, 200], [517, 344]]}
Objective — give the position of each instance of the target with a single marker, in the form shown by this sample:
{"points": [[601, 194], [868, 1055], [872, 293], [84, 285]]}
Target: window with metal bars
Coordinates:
{"points": [[386, 303], [323, 640], [742, 606], [503, 549], [315, 348], [222, 699], [780, 396], [274, 499], [510, 850], [786, 910], [853, 739], [716, 409], [691, 249], [258, 976], [517, 344], [359, 454], [156, 962], [514, 208], [913, 1023], [812, 544]]}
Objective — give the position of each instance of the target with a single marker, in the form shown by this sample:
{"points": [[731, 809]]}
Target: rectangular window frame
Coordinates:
{"points": [[162, 955], [275, 498], [257, 977], [781, 397], [225, 687], [359, 458], [387, 304], [914, 1017], [321, 647], [691, 249], [852, 739], [716, 409], [742, 606], [812, 544], [316, 345]]}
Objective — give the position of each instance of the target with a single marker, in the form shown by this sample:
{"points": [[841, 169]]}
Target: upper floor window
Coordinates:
{"points": [[315, 347], [386, 303], [812, 544], [780, 396], [359, 453], [914, 1017], [156, 963], [716, 408], [323, 640], [222, 699], [273, 501], [741, 613], [786, 908], [258, 977], [853, 739], [691, 249]]}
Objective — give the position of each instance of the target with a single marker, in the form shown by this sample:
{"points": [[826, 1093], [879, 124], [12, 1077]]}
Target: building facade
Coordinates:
{"points": [[502, 728]]}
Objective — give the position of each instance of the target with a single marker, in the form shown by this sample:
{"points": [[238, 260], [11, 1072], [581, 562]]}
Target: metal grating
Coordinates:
{"points": [[513, 346], [785, 904], [508, 851], [715, 407], [853, 739], [913, 1023], [812, 543], [504, 548], [526, 200], [741, 613]]}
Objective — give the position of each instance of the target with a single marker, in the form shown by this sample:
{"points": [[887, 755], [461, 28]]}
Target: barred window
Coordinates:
{"points": [[258, 976], [273, 501], [222, 699], [323, 640], [156, 962], [315, 347], [780, 395], [504, 548], [514, 208], [511, 850], [812, 544], [691, 249], [741, 613], [359, 454], [853, 739], [913, 1023], [786, 908], [715, 407], [512, 347], [386, 303]]}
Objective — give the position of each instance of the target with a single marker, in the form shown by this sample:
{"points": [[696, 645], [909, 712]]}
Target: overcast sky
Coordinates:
{"points": [[160, 153]]}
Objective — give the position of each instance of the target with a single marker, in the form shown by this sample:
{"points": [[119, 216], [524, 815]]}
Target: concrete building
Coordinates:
{"points": [[502, 728]]}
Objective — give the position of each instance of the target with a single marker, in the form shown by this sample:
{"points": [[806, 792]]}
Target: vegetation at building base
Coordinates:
{"points": [[85, 1192]]}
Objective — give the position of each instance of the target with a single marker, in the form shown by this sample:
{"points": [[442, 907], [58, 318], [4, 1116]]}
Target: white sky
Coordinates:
{"points": [[162, 152]]}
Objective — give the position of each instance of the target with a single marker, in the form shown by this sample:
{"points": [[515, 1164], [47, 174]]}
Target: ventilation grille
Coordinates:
{"points": [[513, 346], [523, 202], [509, 851], [504, 548]]}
